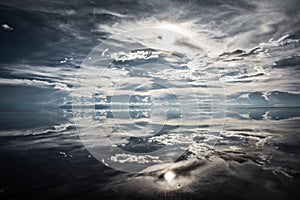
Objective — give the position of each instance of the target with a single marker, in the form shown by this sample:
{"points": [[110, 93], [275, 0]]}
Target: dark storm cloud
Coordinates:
{"points": [[48, 33], [49, 30], [27, 35]]}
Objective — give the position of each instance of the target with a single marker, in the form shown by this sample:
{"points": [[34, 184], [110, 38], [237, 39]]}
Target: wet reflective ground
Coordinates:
{"points": [[253, 158]]}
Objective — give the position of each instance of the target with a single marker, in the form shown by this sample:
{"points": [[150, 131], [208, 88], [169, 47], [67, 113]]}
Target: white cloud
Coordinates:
{"points": [[7, 27], [35, 83]]}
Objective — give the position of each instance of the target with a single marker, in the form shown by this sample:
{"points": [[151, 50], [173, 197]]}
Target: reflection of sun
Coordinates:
{"points": [[169, 176]]}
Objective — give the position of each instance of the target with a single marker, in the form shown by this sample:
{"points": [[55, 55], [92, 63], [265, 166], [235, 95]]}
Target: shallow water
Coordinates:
{"points": [[101, 100]]}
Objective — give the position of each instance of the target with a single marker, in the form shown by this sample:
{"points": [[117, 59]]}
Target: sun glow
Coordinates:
{"points": [[172, 27], [169, 176]]}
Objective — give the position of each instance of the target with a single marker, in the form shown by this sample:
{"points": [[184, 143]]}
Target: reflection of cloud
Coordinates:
{"points": [[265, 99], [274, 114], [129, 158]]}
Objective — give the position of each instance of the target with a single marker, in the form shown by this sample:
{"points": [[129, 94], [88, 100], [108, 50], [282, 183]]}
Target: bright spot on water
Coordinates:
{"points": [[169, 176]]}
